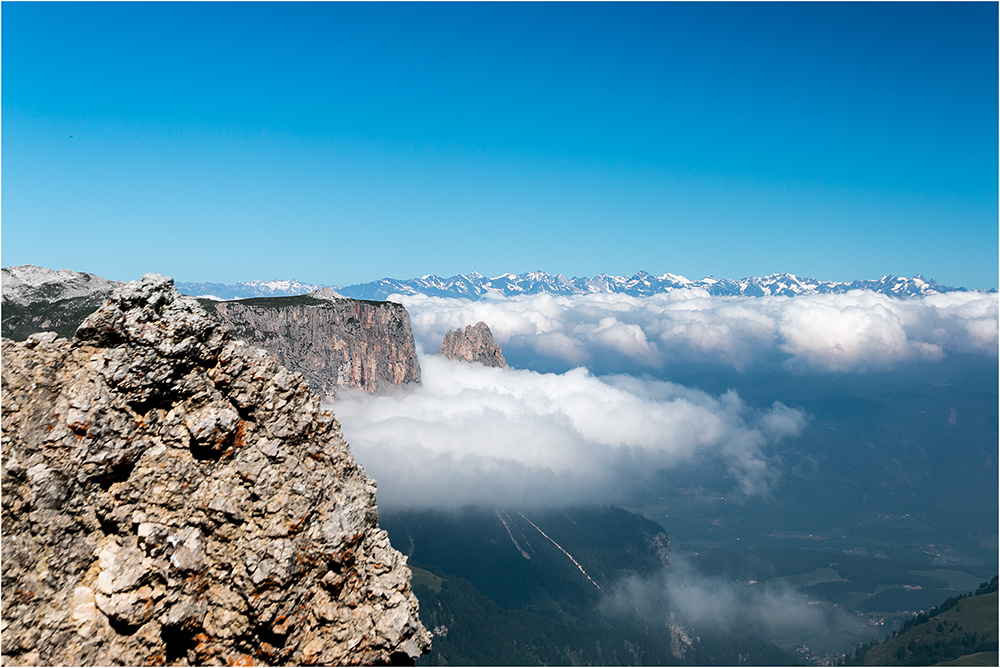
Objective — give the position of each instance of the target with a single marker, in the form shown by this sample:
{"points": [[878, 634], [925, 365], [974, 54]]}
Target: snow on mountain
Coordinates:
{"points": [[641, 284], [27, 283], [248, 289]]}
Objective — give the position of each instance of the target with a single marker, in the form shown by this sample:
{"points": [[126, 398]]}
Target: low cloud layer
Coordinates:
{"points": [[683, 596], [850, 332], [473, 434]]}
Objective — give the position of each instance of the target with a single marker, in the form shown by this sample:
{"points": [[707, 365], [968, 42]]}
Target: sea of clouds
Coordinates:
{"points": [[851, 332], [514, 436]]}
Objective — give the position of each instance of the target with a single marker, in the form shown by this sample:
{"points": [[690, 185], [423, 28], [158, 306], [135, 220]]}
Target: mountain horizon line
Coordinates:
{"points": [[475, 285]]}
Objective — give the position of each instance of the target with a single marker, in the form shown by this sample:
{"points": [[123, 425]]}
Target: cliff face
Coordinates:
{"points": [[172, 496], [473, 344], [331, 340]]}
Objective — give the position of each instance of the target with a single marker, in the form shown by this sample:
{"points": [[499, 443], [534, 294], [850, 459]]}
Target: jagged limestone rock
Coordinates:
{"points": [[172, 496], [473, 344], [331, 340]]}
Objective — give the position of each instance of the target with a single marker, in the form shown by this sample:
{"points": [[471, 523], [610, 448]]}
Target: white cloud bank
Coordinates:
{"points": [[473, 434], [851, 332]]}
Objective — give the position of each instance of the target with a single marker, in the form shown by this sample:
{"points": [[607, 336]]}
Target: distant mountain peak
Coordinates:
{"points": [[27, 283], [249, 289]]}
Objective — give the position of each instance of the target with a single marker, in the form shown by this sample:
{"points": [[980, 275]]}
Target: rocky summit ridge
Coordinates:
{"points": [[27, 283], [36, 299], [173, 496]]}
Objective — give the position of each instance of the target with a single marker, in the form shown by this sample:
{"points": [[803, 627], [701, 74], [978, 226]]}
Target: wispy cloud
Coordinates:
{"points": [[812, 333], [473, 434], [713, 603]]}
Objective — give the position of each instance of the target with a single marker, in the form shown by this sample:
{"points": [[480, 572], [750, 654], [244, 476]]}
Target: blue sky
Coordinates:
{"points": [[341, 143]]}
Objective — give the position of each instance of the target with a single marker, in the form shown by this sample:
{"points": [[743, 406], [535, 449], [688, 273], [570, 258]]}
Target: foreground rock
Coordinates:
{"points": [[473, 344], [331, 340], [171, 496]]}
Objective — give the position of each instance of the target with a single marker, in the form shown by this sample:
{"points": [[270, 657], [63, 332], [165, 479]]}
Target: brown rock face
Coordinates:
{"points": [[332, 341], [473, 344], [172, 496]]}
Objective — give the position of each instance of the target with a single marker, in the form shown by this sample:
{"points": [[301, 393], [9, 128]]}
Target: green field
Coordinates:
{"points": [[814, 577], [957, 580], [977, 659], [427, 579]]}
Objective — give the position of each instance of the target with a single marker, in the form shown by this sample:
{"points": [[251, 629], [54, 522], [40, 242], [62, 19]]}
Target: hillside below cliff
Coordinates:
{"points": [[961, 631], [172, 496]]}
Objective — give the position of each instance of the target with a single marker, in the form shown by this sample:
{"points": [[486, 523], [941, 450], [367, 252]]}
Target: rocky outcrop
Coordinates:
{"points": [[473, 344], [173, 496], [331, 340]]}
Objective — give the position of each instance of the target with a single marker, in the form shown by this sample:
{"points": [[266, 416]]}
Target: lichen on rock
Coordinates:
{"points": [[173, 496]]}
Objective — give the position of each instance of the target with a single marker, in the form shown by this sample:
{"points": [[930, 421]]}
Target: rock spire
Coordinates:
{"points": [[473, 344]]}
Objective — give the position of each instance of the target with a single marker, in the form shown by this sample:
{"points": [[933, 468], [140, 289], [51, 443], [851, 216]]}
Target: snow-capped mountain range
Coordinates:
{"points": [[477, 286], [248, 289], [27, 283]]}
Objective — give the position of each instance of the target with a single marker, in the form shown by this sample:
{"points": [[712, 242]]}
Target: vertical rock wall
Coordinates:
{"points": [[332, 341], [171, 496]]}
